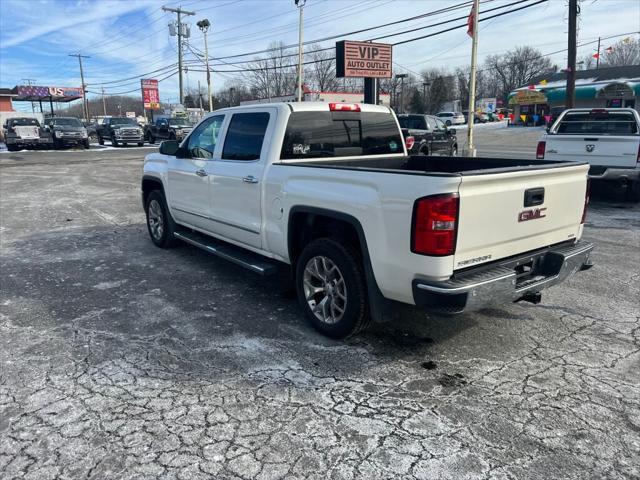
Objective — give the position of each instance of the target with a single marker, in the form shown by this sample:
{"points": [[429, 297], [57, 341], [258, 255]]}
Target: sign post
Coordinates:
{"points": [[364, 59]]}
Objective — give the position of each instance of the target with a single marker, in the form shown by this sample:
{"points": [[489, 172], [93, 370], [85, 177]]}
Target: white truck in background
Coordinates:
{"points": [[327, 191], [607, 138]]}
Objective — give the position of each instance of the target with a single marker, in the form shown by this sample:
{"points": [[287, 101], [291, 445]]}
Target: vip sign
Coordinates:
{"points": [[363, 59], [150, 94]]}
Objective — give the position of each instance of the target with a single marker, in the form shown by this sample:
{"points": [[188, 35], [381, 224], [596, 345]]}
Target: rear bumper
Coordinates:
{"points": [[614, 173], [480, 287]]}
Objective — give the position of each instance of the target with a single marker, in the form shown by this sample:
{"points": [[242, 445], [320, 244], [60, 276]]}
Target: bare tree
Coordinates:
{"points": [[272, 75], [322, 73], [624, 52], [441, 89], [516, 68]]}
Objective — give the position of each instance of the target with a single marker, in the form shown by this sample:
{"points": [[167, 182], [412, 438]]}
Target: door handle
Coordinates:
{"points": [[249, 179], [201, 173]]}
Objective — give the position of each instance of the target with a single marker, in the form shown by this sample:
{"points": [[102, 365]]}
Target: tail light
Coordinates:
{"points": [[587, 193], [435, 225], [540, 150], [409, 142], [344, 107]]}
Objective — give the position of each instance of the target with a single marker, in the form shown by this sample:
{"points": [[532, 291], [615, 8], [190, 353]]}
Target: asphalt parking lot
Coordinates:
{"points": [[121, 360]]}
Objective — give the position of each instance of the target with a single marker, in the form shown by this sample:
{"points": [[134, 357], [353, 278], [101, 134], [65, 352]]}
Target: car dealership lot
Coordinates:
{"points": [[121, 360]]}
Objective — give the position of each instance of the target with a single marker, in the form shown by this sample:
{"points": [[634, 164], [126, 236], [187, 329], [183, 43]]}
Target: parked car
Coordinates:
{"points": [[608, 138], [477, 117], [167, 129], [120, 131], [67, 131], [327, 190], [451, 118], [555, 113], [430, 136], [25, 132]]}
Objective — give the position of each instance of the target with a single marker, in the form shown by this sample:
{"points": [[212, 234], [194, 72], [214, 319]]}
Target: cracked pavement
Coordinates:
{"points": [[121, 360]]}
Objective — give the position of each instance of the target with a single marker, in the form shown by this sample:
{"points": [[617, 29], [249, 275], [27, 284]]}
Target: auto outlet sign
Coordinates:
{"points": [[363, 59], [150, 95]]}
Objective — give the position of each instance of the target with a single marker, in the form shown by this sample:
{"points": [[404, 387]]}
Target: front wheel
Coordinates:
{"points": [[151, 139], [454, 151], [160, 225], [114, 142], [86, 144], [331, 288], [100, 140], [448, 123], [141, 144]]}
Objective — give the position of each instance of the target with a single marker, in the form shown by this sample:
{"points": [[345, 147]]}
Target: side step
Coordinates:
{"points": [[249, 260]]}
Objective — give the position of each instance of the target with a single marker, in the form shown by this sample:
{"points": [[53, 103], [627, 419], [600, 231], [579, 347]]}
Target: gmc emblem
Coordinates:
{"points": [[532, 214]]}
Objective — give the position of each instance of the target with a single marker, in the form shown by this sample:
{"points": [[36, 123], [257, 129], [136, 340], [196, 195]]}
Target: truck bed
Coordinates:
{"points": [[433, 165]]}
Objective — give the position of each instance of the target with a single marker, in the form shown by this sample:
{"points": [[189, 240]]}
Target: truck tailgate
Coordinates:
{"points": [[508, 213], [608, 151]]}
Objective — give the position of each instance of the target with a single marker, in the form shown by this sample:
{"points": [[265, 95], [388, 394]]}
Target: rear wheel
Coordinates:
{"points": [[448, 123], [160, 225], [331, 288]]}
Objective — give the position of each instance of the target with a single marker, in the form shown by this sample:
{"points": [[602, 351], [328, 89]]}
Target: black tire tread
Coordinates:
{"points": [[170, 226]]}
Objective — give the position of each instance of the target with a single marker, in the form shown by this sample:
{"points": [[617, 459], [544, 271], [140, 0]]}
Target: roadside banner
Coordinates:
{"points": [[523, 118], [547, 118], [501, 116], [536, 118], [150, 94]]}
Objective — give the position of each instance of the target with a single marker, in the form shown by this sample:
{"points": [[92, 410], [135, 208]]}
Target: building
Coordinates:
{"points": [[608, 87], [6, 104], [312, 96]]}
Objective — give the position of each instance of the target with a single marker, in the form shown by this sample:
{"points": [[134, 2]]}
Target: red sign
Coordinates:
{"points": [[363, 59], [150, 94]]}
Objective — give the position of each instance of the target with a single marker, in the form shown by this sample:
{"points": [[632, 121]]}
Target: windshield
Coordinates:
{"points": [[123, 121], [23, 122], [177, 122], [71, 122], [599, 122]]}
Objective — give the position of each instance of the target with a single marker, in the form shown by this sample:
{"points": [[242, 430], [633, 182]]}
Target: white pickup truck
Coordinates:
{"points": [[607, 138], [328, 192]]}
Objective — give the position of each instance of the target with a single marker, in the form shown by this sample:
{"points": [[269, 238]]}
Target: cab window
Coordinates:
{"points": [[440, 124], [245, 136], [202, 142]]}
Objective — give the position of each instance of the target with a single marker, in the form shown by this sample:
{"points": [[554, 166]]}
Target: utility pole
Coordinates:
{"points": [[104, 104], [84, 86], [598, 55], [28, 82], [204, 25], [300, 4], [200, 96], [472, 80], [401, 76], [181, 31], [424, 94], [571, 60]]}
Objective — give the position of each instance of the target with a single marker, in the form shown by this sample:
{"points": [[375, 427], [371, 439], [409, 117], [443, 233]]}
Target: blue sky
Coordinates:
{"points": [[126, 38]]}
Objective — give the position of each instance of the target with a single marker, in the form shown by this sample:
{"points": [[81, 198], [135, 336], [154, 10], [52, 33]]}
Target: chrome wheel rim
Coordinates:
{"points": [[155, 219], [324, 289]]}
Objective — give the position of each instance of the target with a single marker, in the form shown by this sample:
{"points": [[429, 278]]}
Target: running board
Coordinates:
{"points": [[251, 261]]}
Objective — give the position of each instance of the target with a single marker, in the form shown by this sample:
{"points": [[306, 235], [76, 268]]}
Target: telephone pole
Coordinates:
{"points": [[104, 104], [182, 30], [472, 80], [204, 25], [85, 106], [300, 4], [598, 55], [571, 60], [28, 82]]}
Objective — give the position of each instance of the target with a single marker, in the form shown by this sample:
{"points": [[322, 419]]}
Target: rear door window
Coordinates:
{"points": [[598, 123], [340, 134], [245, 136]]}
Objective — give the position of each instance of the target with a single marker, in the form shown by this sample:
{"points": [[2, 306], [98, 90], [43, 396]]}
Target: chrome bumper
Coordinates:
{"points": [[613, 173], [510, 280]]}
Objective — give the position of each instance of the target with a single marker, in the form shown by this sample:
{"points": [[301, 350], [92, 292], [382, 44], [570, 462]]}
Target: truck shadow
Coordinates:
{"points": [[113, 289]]}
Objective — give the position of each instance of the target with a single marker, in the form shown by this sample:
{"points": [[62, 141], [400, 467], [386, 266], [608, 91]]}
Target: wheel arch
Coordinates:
{"points": [[149, 184], [308, 223]]}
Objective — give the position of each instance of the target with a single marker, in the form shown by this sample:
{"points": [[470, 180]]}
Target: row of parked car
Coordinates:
{"points": [[461, 118], [59, 132]]}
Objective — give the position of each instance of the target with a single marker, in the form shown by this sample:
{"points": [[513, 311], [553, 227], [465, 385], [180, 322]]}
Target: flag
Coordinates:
{"points": [[596, 55], [608, 49], [531, 87], [470, 21], [543, 82], [626, 39]]}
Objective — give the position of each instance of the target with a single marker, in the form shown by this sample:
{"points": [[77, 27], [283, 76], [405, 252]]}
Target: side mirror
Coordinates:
{"points": [[169, 147], [452, 131]]}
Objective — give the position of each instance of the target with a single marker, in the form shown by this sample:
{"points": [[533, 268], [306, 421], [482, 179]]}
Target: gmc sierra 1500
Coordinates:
{"points": [[328, 189]]}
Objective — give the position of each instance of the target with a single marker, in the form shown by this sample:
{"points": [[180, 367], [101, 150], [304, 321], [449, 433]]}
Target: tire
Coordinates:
{"points": [[172, 136], [114, 142], [151, 139], [633, 191], [448, 123], [11, 147], [93, 138], [86, 144], [57, 144], [100, 140], [454, 151], [158, 216], [424, 151], [326, 258], [141, 144]]}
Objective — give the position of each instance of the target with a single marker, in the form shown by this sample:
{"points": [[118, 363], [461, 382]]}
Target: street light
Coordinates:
{"points": [[300, 4], [402, 76], [204, 25]]}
